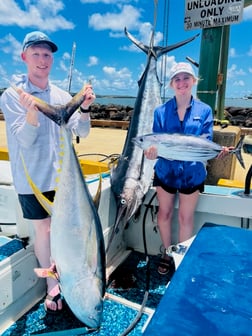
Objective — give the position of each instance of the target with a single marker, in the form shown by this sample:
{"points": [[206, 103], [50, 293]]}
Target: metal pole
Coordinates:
{"points": [[208, 65], [222, 75], [71, 67]]}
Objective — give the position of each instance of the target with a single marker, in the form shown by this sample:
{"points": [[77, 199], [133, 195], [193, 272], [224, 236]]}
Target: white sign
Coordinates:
{"points": [[201, 14]]}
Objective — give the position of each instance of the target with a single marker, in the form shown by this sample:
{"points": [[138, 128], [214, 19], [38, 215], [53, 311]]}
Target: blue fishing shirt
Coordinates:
{"points": [[198, 121]]}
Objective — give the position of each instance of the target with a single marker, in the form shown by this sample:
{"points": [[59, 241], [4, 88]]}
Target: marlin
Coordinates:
{"points": [[131, 178], [185, 147], [77, 244]]}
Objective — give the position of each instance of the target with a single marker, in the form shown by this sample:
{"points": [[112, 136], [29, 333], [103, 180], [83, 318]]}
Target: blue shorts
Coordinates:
{"points": [[171, 190], [31, 207]]}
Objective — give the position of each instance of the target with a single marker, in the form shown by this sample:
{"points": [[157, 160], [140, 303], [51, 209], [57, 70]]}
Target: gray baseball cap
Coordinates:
{"points": [[37, 37]]}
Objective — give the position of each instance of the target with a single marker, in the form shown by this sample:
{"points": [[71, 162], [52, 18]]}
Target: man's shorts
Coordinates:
{"points": [[31, 207], [171, 190]]}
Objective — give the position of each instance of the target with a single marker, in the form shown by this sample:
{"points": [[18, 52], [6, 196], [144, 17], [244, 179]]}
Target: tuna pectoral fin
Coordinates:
{"points": [[46, 204]]}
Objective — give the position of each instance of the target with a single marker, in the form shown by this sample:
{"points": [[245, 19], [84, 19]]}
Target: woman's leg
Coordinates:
{"points": [[164, 216], [187, 206]]}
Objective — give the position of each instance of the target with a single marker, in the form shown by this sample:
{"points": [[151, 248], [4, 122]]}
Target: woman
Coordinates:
{"points": [[185, 115]]}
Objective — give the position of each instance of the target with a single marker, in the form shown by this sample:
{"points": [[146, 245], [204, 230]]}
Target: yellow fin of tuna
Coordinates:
{"points": [[45, 203]]}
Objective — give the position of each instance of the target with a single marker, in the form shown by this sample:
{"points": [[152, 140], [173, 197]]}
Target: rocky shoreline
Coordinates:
{"points": [[236, 116]]}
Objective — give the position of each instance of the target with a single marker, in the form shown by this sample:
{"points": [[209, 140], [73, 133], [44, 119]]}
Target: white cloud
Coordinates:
{"points": [[43, 14], [11, 46], [107, 2], [233, 72], [122, 73], [247, 13], [93, 60], [232, 52], [239, 83], [249, 53], [128, 17], [66, 56]]}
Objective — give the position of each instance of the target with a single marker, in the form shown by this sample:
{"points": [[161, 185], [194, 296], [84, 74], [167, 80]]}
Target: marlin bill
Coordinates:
{"points": [[185, 147]]}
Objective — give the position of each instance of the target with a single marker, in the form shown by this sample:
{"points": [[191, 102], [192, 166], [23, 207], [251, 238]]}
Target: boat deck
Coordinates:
{"points": [[124, 295]]}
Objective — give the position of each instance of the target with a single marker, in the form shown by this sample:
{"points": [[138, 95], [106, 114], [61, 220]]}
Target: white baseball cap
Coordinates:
{"points": [[181, 67]]}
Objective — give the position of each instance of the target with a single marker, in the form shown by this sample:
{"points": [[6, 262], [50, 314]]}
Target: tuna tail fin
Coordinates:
{"points": [[60, 114], [237, 151], [45, 203]]}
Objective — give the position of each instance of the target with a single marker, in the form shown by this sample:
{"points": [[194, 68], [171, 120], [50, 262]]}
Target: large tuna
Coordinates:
{"points": [[77, 244]]}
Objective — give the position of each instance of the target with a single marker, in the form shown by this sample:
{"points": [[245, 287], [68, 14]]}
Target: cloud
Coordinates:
{"points": [[247, 13], [128, 17], [232, 52], [107, 2], [233, 72], [11, 46], [250, 51], [93, 60], [239, 83], [43, 14]]}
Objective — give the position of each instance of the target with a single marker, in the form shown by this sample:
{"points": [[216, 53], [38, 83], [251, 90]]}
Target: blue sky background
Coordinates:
{"points": [[103, 53]]}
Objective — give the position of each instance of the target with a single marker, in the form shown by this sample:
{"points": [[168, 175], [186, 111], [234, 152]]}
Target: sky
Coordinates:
{"points": [[103, 54]]}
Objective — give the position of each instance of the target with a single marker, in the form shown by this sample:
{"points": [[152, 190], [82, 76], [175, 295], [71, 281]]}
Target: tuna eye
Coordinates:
{"points": [[123, 201]]}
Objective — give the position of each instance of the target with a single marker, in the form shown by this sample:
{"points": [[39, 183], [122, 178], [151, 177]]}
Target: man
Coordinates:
{"points": [[34, 135]]}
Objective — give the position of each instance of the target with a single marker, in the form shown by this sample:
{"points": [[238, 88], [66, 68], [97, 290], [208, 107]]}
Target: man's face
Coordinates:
{"points": [[39, 59]]}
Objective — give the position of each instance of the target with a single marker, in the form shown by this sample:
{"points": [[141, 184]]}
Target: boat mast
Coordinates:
{"points": [[71, 67]]}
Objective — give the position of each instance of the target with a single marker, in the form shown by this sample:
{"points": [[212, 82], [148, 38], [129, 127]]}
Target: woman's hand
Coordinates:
{"points": [[151, 153], [225, 151]]}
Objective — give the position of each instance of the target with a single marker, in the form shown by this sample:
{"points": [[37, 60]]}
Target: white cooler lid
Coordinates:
{"points": [[5, 173]]}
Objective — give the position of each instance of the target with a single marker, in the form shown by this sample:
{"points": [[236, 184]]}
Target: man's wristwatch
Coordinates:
{"points": [[85, 110]]}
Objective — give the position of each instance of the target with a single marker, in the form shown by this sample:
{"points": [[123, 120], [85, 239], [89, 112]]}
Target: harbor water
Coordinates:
{"points": [[130, 101]]}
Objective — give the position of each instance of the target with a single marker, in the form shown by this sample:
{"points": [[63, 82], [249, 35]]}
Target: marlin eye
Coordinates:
{"points": [[123, 201]]}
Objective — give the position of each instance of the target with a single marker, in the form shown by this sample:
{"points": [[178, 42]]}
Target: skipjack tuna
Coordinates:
{"points": [[185, 147]]}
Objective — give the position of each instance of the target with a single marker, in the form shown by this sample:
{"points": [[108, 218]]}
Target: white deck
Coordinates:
{"points": [[218, 205]]}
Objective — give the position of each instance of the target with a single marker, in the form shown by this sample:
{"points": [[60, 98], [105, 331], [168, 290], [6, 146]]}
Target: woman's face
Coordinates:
{"points": [[182, 83]]}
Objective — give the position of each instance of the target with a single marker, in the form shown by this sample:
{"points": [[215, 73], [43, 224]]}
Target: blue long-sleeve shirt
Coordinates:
{"points": [[39, 145], [198, 121]]}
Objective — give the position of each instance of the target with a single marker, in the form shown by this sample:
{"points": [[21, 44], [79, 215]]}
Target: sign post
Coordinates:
{"points": [[211, 16]]}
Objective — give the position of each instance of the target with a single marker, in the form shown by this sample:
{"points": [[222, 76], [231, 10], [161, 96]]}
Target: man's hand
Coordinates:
{"points": [[89, 95]]}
